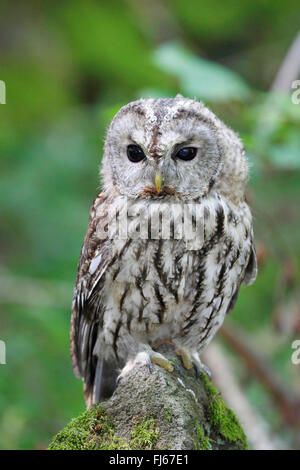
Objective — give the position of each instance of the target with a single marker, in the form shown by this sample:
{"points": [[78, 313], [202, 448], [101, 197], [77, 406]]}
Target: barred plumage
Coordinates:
{"points": [[132, 292]]}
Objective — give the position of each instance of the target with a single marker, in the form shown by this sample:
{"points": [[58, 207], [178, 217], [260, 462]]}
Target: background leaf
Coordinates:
{"points": [[199, 77]]}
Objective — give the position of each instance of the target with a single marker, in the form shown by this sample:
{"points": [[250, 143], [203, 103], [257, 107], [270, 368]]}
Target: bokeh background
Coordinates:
{"points": [[68, 67]]}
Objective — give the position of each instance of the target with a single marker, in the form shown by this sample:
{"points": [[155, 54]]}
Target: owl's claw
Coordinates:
{"points": [[176, 366], [201, 368], [149, 365], [197, 370], [207, 371]]}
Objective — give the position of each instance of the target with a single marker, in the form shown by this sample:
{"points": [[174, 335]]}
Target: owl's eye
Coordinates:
{"points": [[135, 153], [186, 153]]}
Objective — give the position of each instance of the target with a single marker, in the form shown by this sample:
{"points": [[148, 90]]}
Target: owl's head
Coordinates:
{"points": [[172, 146]]}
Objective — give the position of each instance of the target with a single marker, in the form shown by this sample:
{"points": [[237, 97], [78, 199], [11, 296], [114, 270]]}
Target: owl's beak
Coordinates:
{"points": [[158, 181]]}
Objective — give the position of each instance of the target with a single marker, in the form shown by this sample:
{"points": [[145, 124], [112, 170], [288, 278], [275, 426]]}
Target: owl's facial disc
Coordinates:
{"points": [[156, 148]]}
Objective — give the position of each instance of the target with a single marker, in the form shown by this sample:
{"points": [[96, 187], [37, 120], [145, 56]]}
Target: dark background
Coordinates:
{"points": [[68, 67]]}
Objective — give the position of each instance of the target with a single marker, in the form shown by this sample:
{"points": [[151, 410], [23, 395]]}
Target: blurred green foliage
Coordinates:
{"points": [[200, 77], [68, 67]]}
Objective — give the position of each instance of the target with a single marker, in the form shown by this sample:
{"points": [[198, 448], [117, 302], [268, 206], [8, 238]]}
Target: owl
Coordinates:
{"points": [[135, 292]]}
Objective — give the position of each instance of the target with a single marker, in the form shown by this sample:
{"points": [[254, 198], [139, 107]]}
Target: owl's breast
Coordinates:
{"points": [[161, 288], [151, 281]]}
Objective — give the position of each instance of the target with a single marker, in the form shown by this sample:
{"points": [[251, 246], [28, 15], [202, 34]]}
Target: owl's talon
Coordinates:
{"points": [[200, 367], [197, 370], [149, 365], [176, 366], [207, 371]]}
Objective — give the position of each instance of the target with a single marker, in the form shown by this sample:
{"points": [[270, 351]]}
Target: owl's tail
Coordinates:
{"points": [[101, 385]]}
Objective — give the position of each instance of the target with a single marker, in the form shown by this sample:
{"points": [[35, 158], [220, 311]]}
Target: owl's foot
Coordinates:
{"points": [[146, 359], [191, 361], [160, 360], [185, 357]]}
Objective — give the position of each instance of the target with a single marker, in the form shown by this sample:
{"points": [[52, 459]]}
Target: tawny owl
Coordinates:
{"points": [[133, 292]]}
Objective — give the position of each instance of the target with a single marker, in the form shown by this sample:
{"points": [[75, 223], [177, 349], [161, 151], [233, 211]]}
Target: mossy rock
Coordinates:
{"points": [[158, 410]]}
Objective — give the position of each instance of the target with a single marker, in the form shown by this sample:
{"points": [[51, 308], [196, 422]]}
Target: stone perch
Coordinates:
{"points": [[154, 411]]}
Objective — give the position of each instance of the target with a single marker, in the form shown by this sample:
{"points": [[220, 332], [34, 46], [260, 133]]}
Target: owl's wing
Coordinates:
{"points": [[251, 269], [249, 275], [87, 314]]}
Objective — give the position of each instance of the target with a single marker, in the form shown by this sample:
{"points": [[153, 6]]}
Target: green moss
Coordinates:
{"points": [[94, 430], [91, 430], [75, 435], [145, 435], [202, 443], [168, 414], [222, 418]]}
